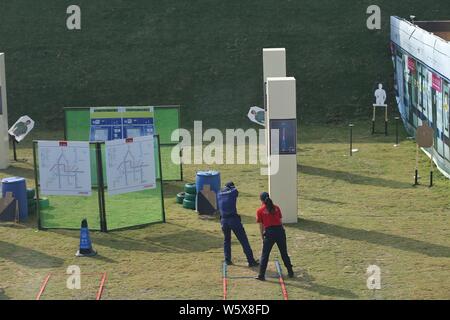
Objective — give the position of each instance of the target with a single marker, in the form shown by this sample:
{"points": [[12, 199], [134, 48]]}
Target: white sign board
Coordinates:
{"points": [[64, 168], [21, 128], [130, 165]]}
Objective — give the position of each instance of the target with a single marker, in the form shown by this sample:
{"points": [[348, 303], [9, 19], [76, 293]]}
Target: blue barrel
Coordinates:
{"points": [[208, 177], [18, 187]]}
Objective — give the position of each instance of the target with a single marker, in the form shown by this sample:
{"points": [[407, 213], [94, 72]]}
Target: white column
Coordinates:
{"points": [[281, 105], [274, 65], [4, 138]]}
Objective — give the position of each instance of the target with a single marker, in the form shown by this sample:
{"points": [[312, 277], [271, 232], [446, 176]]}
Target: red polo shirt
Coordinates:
{"points": [[269, 219]]}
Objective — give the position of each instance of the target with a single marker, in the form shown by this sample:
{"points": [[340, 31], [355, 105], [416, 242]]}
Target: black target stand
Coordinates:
{"points": [[375, 106]]}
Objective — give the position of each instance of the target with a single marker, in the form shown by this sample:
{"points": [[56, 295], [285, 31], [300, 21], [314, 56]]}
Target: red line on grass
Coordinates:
{"points": [[281, 280], [102, 285], [43, 285], [225, 280], [283, 288]]}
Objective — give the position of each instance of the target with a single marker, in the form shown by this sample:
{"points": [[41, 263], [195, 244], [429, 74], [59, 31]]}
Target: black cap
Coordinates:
{"points": [[230, 184]]}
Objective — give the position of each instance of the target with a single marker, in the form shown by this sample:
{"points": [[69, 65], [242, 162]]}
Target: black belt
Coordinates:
{"points": [[275, 227]]}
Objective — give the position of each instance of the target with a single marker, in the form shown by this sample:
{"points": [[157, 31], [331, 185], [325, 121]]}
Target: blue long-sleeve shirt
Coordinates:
{"points": [[227, 199]]}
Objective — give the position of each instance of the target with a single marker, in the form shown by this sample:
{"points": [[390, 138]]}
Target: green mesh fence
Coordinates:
{"points": [[167, 119], [120, 211]]}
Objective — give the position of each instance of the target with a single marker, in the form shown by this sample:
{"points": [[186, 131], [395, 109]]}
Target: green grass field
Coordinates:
{"points": [[205, 55], [137, 208], [354, 212]]}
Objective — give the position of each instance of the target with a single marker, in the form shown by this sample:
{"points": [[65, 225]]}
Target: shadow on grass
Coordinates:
{"points": [[302, 280], [28, 257], [309, 285], [374, 237], [327, 201], [174, 242], [352, 177], [14, 171], [305, 282], [99, 257]]}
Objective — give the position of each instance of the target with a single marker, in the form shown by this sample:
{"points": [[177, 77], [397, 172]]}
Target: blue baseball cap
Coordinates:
{"points": [[264, 196]]}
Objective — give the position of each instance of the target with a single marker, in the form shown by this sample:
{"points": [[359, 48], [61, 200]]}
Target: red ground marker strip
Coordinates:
{"points": [[225, 281], [43, 286], [101, 288], [281, 280]]}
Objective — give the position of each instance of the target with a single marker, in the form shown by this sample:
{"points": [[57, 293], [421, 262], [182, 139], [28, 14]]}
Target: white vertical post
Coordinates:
{"points": [[281, 105], [274, 65], [4, 137]]}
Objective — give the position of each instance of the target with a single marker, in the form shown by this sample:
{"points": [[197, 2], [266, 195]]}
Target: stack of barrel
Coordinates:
{"points": [[188, 198]]}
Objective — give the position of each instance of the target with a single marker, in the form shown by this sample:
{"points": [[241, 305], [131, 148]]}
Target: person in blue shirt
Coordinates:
{"points": [[231, 221]]}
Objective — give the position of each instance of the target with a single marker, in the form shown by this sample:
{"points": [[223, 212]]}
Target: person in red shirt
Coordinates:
{"points": [[269, 218]]}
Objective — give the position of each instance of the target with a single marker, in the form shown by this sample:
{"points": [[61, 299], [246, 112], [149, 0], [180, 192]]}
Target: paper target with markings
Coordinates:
{"points": [[64, 168], [21, 128], [130, 165]]}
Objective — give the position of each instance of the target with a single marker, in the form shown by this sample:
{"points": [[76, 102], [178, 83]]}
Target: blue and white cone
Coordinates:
{"points": [[86, 249]]}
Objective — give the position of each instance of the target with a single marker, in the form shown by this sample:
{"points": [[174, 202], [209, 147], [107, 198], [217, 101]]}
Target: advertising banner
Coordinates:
{"points": [[436, 82]]}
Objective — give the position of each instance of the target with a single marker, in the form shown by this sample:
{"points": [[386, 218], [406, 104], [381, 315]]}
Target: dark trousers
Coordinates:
{"points": [[274, 235], [234, 224]]}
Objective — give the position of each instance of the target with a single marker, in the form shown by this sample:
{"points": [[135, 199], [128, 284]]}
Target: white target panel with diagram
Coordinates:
{"points": [[130, 165], [64, 168]]}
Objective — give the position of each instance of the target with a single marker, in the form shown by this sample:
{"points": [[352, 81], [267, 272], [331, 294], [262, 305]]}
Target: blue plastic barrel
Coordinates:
{"points": [[18, 187], [211, 178]]}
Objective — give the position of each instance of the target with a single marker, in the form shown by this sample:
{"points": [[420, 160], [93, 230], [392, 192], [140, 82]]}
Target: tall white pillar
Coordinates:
{"points": [[4, 138], [282, 116], [274, 65]]}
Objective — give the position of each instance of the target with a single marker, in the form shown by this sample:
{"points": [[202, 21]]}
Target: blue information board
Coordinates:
{"points": [[112, 123]]}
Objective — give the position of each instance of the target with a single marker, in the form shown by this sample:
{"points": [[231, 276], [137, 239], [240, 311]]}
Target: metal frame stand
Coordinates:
{"points": [[101, 185], [14, 143], [385, 118]]}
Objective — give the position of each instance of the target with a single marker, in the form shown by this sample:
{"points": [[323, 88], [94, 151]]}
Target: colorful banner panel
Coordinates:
{"points": [[112, 123]]}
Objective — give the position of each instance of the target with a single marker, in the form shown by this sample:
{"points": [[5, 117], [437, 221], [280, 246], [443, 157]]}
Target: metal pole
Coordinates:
{"points": [[181, 150], [416, 175], [100, 188], [373, 121], [351, 138], [36, 183], [431, 170], [14, 147], [396, 131], [386, 121], [161, 181]]}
